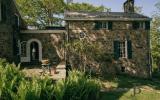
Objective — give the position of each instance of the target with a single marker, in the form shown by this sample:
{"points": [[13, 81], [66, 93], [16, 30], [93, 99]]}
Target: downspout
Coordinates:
{"points": [[16, 38], [149, 55]]}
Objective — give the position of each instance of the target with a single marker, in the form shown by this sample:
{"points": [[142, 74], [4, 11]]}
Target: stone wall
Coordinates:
{"points": [[137, 66], [6, 45], [52, 45], [9, 34]]}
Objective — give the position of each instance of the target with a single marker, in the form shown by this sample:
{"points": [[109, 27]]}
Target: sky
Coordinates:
{"points": [[117, 5]]}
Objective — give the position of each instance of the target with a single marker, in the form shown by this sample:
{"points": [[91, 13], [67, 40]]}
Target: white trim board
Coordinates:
{"points": [[42, 31], [28, 58]]}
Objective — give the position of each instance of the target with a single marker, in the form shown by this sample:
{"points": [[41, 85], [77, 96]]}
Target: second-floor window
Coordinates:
{"points": [[103, 25], [141, 25]]}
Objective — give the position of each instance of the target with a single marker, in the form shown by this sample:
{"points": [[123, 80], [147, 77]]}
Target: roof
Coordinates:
{"points": [[115, 16]]}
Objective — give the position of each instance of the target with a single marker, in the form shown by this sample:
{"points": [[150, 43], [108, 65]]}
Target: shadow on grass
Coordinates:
{"points": [[126, 83]]}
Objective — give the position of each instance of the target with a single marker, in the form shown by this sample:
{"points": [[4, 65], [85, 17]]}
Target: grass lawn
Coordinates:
{"points": [[122, 88]]}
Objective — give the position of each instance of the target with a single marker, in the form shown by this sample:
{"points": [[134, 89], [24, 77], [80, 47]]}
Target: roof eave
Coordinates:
{"points": [[108, 19]]}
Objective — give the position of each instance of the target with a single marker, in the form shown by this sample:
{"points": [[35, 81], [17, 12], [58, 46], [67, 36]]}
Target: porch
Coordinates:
{"points": [[36, 70]]}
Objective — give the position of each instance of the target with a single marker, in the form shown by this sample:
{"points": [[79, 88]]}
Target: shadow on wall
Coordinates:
{"points": [[57, 42]]}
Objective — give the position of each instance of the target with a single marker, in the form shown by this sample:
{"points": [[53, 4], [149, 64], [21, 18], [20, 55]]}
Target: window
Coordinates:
{"points": [[141, 25], [122, 49], [23, 49], [103, 25]]}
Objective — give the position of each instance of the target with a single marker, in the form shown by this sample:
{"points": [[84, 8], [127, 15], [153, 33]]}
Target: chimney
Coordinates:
{"points": [[69, 1], [129, 6]]}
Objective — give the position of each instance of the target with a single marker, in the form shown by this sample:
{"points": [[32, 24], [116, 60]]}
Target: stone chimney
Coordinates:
{"points": [[129, 6], [69, 1]]}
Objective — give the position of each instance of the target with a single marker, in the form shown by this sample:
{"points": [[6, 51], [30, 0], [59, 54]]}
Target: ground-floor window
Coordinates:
{"points": [[122, 49], [23, 49]]}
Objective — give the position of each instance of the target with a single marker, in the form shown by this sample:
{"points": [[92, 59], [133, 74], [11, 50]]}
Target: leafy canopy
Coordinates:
{"points": [[42, 13]]}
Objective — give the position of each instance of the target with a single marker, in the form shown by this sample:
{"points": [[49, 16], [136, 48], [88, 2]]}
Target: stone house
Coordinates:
{"points": [[10, 25], [125, 35]]}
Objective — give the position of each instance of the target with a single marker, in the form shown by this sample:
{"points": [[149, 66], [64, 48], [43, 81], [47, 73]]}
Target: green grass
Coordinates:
{"points": [[150, 89], [129, 96]]}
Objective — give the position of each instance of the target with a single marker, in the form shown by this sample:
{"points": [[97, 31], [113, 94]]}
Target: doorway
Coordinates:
{"points": [[34, 51]]}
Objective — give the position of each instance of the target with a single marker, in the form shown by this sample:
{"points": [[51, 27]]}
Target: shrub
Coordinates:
{"points": [[77, 87], [15, 86]]}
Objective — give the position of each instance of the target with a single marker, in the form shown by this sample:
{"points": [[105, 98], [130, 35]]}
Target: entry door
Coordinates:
{"points": [[34, 51]]}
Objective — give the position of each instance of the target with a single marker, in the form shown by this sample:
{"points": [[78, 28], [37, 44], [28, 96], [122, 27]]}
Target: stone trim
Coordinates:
{"points": [[28, 58]]}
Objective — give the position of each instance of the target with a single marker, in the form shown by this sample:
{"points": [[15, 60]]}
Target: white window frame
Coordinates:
{"points": [[104, 25], [23, 48], [123, 49], [141, 25]]}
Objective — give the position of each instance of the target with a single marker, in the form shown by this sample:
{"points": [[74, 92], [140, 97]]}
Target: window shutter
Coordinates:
{"points": [[147, 25], [129, 49], [3, 11], [110, 24], [98, 25], [135, 25], [116, 50], [0, 12]]}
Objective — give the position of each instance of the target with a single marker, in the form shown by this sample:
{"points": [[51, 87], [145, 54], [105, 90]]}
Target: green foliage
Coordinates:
{"points": [[86, 7], [15, 86], [77, 87], [155, 36], [41, 12]]}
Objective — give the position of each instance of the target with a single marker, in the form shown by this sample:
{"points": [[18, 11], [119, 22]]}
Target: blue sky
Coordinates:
{"points": [[116, 5]]}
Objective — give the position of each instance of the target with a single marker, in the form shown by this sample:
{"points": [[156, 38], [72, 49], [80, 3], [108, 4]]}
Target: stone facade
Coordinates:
{"points": [[138, 65], [117, 33], [10, 23], [52, 45]]}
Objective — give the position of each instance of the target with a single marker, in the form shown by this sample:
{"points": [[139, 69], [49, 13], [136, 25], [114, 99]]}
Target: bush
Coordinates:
{"points": [[77, 87], [15, 86]]}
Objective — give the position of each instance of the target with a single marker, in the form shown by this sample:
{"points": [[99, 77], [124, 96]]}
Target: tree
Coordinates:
{"points": [[86, 7], [138, 9], [42, 13], [155, 36]]}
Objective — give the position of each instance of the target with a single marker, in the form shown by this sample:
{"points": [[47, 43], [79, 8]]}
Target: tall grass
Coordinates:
{"points": [[77, 87], [15, 86]]}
